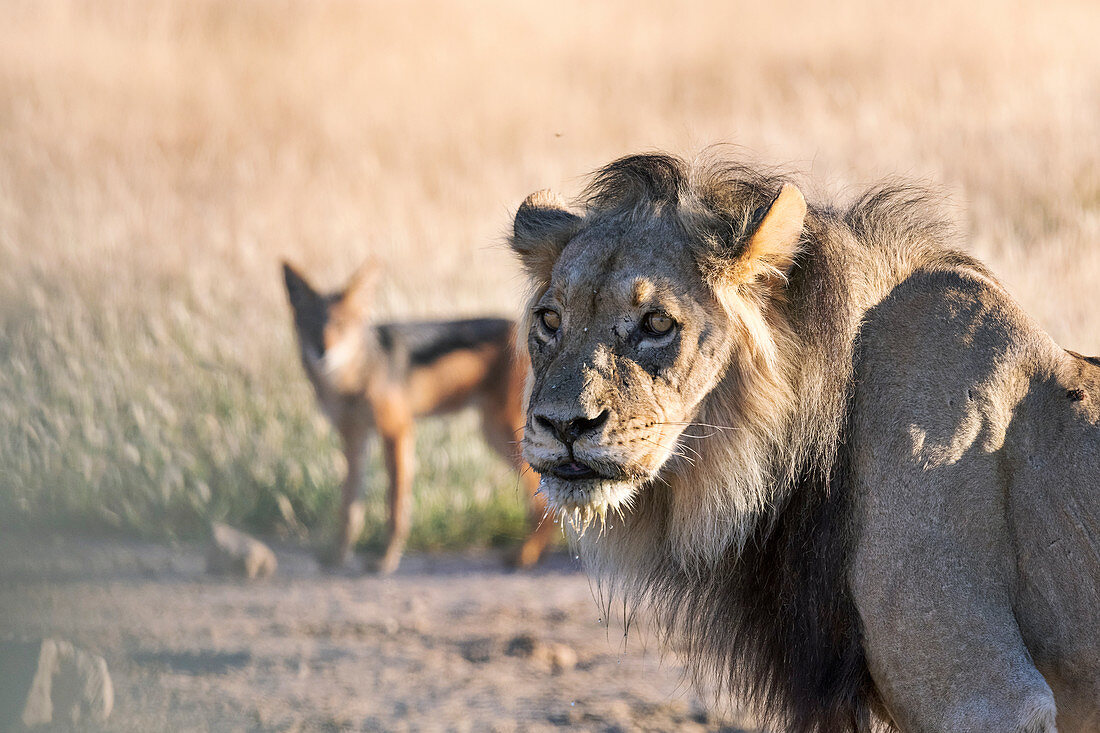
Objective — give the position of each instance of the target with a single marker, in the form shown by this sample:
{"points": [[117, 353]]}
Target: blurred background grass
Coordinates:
{"points": [[158, 158]]}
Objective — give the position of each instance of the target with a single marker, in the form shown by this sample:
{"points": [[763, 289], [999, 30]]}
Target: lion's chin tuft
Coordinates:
{"points": [[587, 502]]}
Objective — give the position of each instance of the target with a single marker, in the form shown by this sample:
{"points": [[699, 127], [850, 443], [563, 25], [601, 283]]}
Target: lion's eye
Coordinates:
{"points": [[657, 324], [550, 320]]}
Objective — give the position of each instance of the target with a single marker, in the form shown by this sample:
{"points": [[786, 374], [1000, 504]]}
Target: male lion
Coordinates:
{"points": [[847, 473]]}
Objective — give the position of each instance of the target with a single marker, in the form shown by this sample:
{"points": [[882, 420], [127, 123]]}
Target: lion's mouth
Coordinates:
{"points": [[574, 471], [583, 493], [585, 488]]}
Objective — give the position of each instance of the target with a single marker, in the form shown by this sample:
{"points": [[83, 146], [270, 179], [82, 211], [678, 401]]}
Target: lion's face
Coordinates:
{"points": [[624, 342], [628, 336]]}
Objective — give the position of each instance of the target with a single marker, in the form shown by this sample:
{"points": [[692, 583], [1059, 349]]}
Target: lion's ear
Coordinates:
{"points": [[542, 228], [774, 238]]}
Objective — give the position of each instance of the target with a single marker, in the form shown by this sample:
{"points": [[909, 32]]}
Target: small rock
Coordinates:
{"points": [[478, 651], [232, 552], [52, 682], [562, 658], [523, 645], [558, 657], [619, 713]]}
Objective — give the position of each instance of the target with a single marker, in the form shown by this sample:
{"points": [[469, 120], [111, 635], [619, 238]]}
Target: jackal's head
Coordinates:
{"points": [[333, 331]]}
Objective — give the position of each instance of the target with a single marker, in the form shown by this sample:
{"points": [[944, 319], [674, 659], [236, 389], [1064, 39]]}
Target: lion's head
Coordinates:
{"points": [[652, 327]]}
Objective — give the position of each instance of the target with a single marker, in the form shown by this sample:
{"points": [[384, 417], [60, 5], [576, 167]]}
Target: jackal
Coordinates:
{"points": [[381, 377]]}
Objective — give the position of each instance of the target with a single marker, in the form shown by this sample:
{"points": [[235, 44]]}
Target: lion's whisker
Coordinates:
{"points": [[701, 424], [674, 451]]}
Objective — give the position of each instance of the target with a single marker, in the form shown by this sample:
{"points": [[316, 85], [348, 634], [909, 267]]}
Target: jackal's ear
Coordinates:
{"points": [[542, 228], [358, 294], [300, 292], [772, 241]]}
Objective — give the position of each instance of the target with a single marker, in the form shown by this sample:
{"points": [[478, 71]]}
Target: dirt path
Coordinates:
{"points": [[449, 643]]}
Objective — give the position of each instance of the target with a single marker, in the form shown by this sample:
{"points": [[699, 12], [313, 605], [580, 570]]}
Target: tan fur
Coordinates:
{"points": [[771, 250], [366, 386], [846, 376], [448, 383]]}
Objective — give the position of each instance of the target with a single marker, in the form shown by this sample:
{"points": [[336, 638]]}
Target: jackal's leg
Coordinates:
{"points": [[398, 448], [350, 520], [539, 520], [503, 427]]}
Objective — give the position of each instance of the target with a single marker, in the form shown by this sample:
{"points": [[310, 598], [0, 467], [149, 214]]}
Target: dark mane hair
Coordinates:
{"points": [[716, 199], [654, 178], [775, 624]]}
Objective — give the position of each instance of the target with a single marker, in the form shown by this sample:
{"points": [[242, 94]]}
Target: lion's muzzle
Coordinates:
{"points": [[583, 474]]}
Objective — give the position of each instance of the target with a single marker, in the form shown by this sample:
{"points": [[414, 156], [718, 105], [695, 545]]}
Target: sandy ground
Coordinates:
{"points": [[448, 643]]}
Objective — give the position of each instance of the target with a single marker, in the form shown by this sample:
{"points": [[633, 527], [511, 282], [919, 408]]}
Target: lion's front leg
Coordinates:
{"points": [[932, 577]]}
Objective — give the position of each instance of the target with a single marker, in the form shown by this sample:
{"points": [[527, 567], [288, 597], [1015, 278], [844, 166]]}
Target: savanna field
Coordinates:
{"points": [[158, 160]]}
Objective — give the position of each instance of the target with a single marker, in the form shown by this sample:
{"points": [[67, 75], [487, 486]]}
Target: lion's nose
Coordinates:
{"points": [[571, 429]]}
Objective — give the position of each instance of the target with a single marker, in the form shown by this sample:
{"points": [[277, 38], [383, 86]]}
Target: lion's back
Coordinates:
{"points": [[1054, 495], [976, 449]]}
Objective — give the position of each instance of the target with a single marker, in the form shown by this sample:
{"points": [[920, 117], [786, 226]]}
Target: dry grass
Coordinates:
{"points": [[157, 159]]}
